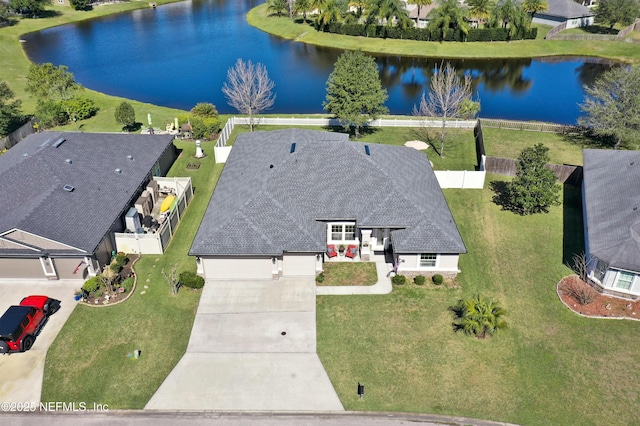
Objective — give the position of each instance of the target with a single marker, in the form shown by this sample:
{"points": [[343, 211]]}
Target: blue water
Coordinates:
{"points": [[178, 55]]}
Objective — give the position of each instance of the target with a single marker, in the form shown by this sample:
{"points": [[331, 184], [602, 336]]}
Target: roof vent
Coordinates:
{"points": [[366, 150], [271, 166], [25, 155], [58, 142], [635, 208], [118, 171], [68, 161], [632, 163], [68, 188], [45, 143], [130, 157], [293, 148]]}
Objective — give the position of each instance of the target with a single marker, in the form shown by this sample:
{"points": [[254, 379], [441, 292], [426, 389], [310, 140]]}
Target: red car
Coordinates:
{"points": [[20, 325]]}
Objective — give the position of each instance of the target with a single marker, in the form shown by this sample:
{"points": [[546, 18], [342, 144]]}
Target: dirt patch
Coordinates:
{"points": [[602, 306]]}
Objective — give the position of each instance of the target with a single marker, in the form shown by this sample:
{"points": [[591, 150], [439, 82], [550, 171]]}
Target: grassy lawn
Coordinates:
{"points": [[88, 361], [284, 27], [548, 367], [349, 273], [509, 143]]}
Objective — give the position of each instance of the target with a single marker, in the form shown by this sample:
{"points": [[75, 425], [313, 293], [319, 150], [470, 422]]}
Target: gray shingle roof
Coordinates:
{"points": [[33, 174], [566, 9], [612, 200], [269, 200]]}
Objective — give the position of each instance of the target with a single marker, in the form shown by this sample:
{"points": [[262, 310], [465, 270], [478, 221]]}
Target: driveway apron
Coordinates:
{"points": [[252, 348]]}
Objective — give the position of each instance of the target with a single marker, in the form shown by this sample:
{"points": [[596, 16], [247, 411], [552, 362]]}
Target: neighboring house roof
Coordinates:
{"points": [[566, 9], [424, 11], [34, 172], [269, 200], [612, 201]]}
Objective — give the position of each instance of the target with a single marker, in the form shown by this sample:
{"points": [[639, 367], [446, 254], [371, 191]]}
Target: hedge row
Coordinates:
{"points": [[426, 34]]}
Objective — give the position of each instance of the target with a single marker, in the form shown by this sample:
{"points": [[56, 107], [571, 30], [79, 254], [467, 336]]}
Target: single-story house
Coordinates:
{"points": [[64, 195], [288, 200], [611, 215], [574, 14]]}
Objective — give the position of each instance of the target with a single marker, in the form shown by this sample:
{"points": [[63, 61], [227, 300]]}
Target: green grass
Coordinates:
{"points": [[510, 143], [15, 66], [88, 360], [284, 27], [548, 367], [349, 273]]}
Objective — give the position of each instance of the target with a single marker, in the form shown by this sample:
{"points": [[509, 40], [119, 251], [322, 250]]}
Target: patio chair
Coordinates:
{"points": [[352, 251], [331, 251]]}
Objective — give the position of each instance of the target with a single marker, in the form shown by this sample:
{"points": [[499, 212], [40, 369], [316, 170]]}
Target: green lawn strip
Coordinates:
{"points": [[285, 28], [548, 367], [88, 360], [563, 149], [15, 64], [349, 273]]}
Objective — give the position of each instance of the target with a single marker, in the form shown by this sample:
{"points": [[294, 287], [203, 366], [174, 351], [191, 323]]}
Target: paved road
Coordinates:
{"points": [[22, 372], [148, 418], [253, 348]]}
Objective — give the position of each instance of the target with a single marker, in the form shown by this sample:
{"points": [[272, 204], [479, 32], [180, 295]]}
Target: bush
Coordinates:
{"points": [[80, 108], [320, 278], [51, 114], [125, 115], [437, 279], [191, 280], [92, 284], [115, 267], [399, 280], [121, 259], [420, 280], [580, 291], [127, 284]]}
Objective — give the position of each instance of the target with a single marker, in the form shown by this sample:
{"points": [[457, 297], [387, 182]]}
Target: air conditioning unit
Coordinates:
{"points": [[132, 220]]}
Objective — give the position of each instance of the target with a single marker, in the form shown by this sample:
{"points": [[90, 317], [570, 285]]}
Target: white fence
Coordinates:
{"points": [[462, 179]]}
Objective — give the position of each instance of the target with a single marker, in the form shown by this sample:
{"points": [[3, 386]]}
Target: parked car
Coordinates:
{"points": [[21, 324]]}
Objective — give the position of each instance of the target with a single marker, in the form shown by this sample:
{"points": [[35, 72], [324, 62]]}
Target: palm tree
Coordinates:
{"points": [[277, 7], [330, 13], [420, 3], [534, 6], [302, 6], [509, 14], [481, 9], [359, 5], [449, 16], [478, 316]]}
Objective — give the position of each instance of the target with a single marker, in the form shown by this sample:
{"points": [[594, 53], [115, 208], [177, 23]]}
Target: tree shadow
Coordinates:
{"points": [[43, 14], [133, 127], [598, 29], [500, 197], [588, 139]]}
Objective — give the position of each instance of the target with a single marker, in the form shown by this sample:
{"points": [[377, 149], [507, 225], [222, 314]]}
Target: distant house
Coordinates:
{"points": [[420, 20], [65, 195], [559, 11], [611, 214], [288, 200]]}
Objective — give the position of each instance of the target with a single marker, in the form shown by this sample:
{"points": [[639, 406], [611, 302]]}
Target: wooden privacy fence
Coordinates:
{"points": [[15, 137], [508, 167]]}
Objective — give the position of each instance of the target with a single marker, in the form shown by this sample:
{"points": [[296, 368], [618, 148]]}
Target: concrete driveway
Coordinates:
{"points": [[252, 348], [22, 372]]}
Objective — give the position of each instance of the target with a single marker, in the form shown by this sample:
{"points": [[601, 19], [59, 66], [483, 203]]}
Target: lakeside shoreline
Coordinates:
{"points": [[284, 28]]}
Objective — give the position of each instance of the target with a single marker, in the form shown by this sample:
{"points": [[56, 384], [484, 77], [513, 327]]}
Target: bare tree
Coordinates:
{"points": [[449, 98], [172, 279], [249, 89]]}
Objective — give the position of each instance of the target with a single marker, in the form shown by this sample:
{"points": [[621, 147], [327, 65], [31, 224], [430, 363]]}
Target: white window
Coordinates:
{"points": [[428, 260], [624, 280], [342, 232]]}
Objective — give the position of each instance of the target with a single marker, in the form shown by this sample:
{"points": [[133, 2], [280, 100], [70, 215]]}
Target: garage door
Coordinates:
{"points": [[21, 268], [237, 268], [298, 264]]}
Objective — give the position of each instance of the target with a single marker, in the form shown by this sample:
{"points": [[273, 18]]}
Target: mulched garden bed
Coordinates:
{"points": [[126, 272], [602, 306]]}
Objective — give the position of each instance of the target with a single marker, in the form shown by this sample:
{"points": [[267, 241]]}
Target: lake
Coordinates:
{"points": [[178, 55]]}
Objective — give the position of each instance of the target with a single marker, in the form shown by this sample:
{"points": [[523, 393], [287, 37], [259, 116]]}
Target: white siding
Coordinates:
{"points": [[230, 268], [444, 263], [298, 264]]}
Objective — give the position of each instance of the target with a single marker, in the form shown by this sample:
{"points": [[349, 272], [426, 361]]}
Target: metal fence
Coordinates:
{"points": [[530, 126]]}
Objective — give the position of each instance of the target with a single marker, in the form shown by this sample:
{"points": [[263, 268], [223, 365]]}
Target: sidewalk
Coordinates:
{"points": [[383, 286]]}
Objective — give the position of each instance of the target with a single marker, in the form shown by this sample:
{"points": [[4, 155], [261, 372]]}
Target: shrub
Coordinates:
{"points": [[92, 284], [80, 108], [399, 279], [191, 280], [420, 280], [437, 279], [581, 292], [127, 284], [121, 259], [125, 115], [320, 278], [51, 113], [115, 267]]}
